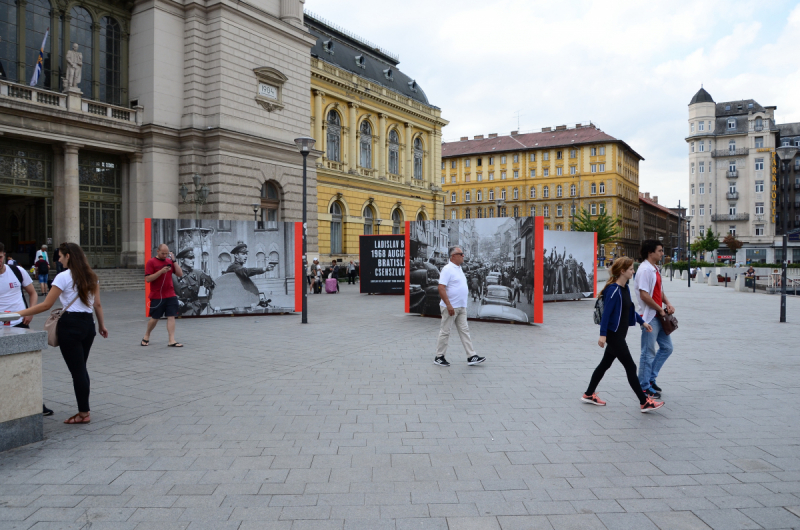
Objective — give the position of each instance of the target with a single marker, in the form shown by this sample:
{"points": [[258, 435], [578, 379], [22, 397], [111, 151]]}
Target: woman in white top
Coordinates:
{"points": [[79, 292]]}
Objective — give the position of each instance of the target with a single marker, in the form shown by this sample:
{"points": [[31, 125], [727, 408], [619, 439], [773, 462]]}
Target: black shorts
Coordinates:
{"points": [[163, 307]]}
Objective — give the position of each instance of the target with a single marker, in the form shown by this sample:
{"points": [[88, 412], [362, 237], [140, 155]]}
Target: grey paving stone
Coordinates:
{"points": [[626, 521], [524, 522], [422, 524], [576, 522], [684, 520], [772, 517], [472, 523]]}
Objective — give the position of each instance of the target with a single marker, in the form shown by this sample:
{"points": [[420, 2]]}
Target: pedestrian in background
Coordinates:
{"points": [[335, 273], [42, 253], [351, 273], [78, 291], [619, 314], [652, 301], [42, 272], [454, 295], [57, 260], [163, 301]]}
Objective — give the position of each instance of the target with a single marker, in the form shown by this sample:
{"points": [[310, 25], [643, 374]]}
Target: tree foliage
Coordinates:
{"points": [[710, 241], [732, 243], [607, 227]]}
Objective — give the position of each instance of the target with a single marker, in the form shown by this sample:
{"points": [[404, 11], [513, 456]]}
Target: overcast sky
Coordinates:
{"points": [[630, 67]]}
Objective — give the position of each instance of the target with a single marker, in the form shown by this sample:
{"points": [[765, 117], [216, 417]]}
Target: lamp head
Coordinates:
{"points": [[203, 194], [786, 153], [196, 180], [255, 207], [184, 191], [304, 144]]}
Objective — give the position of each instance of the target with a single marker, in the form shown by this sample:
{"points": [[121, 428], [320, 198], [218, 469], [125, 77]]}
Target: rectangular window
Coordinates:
{"points": [[594, 188], [533, 192], [594, 151], [533, 173], [692, 210], [533, 211], [453, 197], [691, 147], [546, 172], [702, 229], [516, 158], [466, 162], [700, 125], [573, 170], [602, 151], [732, 230], [479, 195], [533, 157], [546, 192], [731, 123], [702, 167], [491, 195], [732, 187], [442, 164], [443, 179], [702, 146], [546, 155], [491, 160], [466, 177], [602, 167], [702, 188], [452, 179], [516, 174], [491, 176], [602, 188], [759, 164], [692, 187], [691, 127], [466, 196], [732, 166], [453, 214], [480, 162], [692, 168], [759, 208], [702, 210], [559, 171], [759, 142], [502, 175], [559, 211], [732, 209], [602, 208], [759, 186], [453, 164], [480, 177], [516, 194], [503, 159], [709, 209], [573, 153], [593, 209], [759, 230], [546, 211], [503, 194], [692, 231], [594, 168]]}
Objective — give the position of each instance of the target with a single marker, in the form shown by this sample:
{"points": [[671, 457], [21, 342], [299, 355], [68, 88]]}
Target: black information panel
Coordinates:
{"points": [[382, 264]]}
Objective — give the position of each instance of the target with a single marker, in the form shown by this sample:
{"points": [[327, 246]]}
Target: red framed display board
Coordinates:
{"points": [[502, 264], [382, 263], [569, 265], [231, 267]]}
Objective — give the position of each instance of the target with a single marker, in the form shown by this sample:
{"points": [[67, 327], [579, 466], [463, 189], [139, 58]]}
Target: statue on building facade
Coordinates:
{"points": [[74, 67]]}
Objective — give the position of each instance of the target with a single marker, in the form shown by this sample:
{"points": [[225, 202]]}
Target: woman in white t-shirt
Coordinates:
{"points": [[78, 290]]}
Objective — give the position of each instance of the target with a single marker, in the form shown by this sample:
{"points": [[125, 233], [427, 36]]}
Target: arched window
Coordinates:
{"points": [[480, 213], [8, 39], [394, 153], [80, 31], [546, 192], [559, 191], [533, 211], [397, 221], [275, 258], [369, 220], [533, 192], [467, 214], [454, 214], [270, 206], [516, 211], [516, 194], [37, 20], [421, 216], [418, 159], [224, 261], [110, 61], [333, 149], [491, 212], [503, 194], [336, 228], [572, 190], [759, 124], [366, 144]]}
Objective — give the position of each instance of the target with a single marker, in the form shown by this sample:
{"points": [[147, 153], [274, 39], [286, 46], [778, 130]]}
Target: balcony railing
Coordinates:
{"points": [[331, 164], [366, 172], [732, 174], [742, 151], [61, 101], [730, 217], [732, 195], [766, 125]]}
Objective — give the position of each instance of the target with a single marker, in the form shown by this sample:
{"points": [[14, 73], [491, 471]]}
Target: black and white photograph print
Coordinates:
{"points": [[498, 264], [568, 265], [229, 267]]}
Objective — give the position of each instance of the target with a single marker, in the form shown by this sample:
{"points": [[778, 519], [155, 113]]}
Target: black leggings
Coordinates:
{"points": [[617, 348], [75, 336]]}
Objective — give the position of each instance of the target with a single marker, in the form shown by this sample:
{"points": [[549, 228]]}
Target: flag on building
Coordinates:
{"points": [[40, 62]]}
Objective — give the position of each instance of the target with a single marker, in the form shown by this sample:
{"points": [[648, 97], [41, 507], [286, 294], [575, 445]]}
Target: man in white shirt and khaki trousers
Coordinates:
{"points": [[454, 292]]}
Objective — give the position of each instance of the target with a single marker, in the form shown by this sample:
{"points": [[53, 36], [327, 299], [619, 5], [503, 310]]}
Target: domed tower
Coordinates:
{"points": [[702, 111]]}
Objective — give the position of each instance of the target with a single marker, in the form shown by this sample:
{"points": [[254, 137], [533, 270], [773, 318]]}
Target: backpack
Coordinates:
{"points": [[599, 306], [18, 274], [42, 267]]}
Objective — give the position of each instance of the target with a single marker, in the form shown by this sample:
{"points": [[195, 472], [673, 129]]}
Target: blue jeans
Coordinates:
{"points": [[651, 361]]}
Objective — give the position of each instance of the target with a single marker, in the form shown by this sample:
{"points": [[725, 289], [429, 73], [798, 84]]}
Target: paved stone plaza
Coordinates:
{"points": [[345, 423]]}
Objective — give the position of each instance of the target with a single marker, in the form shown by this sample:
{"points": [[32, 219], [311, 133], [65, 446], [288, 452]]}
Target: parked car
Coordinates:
{"points": [[493, 278], [499, 295], [501, 312]]}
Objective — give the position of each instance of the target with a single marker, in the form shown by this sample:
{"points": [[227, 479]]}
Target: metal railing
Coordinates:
{"points": [[732, 174], [732, 195], [730, 217], [742, 151]]}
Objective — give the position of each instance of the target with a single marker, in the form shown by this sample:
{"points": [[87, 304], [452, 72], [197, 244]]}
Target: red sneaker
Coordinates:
{"points": [[651, 405], [593, 400]]}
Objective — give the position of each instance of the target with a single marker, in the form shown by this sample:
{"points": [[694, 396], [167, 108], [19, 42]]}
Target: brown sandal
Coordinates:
{"points": [[77, 418]]}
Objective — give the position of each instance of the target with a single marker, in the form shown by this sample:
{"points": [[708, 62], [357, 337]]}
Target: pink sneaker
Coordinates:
{"points": [[593, 400], [651, 405]]}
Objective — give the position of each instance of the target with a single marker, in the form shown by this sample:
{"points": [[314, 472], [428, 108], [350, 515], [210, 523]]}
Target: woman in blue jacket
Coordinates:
{"points": [[618, 315]]}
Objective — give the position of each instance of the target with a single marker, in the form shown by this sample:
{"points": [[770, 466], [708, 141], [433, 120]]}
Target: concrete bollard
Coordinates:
{"points": [[684, 275], [739, 285], [701, 277], [712, 278]]}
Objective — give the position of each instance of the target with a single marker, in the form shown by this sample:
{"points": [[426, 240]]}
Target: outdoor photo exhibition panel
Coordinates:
{"points": [[499, 264], [382, 263], [231, 267], [570, 267]]}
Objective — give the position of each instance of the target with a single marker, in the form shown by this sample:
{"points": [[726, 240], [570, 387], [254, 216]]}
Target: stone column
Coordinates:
{"points": [[383, 138], [430, 152], [136, 214], [292, 11], [352, 139], [408, 170], [71, 195], [58, 195], [319, 119], [95, 63], [126, 211]]}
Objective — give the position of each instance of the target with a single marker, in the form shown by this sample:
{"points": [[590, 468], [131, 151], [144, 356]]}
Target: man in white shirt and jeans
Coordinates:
{"points": [[653, 301], [454, 293]]}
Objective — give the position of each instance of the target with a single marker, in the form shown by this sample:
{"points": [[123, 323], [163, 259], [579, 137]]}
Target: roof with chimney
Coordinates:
{"points": [[547, 138], [644, 198]]}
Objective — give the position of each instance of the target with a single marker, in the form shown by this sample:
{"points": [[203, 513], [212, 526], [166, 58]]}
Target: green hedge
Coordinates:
{"points": [[682, 266]]}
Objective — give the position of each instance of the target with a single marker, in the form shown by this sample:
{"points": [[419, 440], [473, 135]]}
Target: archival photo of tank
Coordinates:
{"points": [[498, 264], [229, 267]]}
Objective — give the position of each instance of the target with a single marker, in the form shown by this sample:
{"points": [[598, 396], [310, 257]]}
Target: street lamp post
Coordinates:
{"points": [[255, 212], [378, 227], [688, 250], [305, 144], [786, 155], [200, 195]]}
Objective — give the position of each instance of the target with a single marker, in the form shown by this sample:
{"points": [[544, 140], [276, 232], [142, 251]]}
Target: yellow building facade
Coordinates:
{"points": [[553, 173], [380, 143]]}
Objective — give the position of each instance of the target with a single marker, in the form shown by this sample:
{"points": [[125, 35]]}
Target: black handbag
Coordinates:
{"points": [[668, 322]]}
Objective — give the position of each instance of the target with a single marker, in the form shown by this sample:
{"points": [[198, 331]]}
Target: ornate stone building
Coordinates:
{"points": [[380, 140], [168, 90]]}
